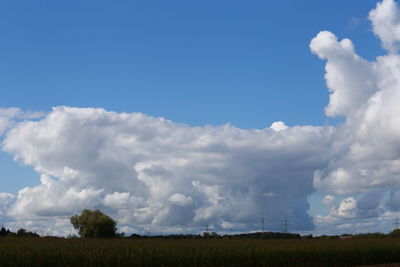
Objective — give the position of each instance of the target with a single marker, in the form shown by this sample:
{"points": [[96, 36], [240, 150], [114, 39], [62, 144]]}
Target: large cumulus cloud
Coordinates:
{"points": [[151, 171], [365, 163]]}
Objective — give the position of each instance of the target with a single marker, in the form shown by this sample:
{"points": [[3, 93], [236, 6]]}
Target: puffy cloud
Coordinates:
{"points": [[385, 20], [366, 151], [145, 170], [365, 156], [8, 116], [347, 208], [350, 78], [362, 213], [278, 126]]}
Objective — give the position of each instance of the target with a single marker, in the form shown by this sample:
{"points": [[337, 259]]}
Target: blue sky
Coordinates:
{"points": [[198, 62], [246, 63]]}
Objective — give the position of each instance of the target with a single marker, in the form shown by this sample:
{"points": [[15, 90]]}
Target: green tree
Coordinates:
{"points": [[395, 233], [94, 224]]}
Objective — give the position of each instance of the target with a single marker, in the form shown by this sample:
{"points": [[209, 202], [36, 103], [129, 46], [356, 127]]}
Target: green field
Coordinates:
{"points": [[222, 252]]}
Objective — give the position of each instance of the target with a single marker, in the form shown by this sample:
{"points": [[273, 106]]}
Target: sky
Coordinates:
{"points": [[173, 115]]}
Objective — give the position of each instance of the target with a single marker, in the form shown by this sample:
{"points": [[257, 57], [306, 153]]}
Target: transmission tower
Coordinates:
{"points": [[262, 223], [148, 231], [396, 223], [206, 229], [285, 224]]}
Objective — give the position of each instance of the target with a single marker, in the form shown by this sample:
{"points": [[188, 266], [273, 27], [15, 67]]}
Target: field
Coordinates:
{"points": [[222, 252]]}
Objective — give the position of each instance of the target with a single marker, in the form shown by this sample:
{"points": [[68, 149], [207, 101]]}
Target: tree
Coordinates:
{"points": [[24, 233], [21, 232], [3, 231], [94, 224], [395, 233]]}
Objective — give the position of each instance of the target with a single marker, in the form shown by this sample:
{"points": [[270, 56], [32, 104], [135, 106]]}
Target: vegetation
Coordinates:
{"points": [[24, 248], [94, 224], [214, 235], [20, 233], [197, 252], [395, 233]]}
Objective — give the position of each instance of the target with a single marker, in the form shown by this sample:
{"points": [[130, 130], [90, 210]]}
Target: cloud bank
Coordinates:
{"points": [[151, 172]]}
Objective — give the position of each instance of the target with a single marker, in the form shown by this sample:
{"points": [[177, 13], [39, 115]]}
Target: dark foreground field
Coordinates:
{"points": [[126, 252]]}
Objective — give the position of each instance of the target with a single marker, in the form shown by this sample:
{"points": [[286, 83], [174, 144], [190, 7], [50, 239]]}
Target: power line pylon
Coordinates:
{"points": [[262, 223], [206, 229], [285, 224], [396, 223], [148, 231]]}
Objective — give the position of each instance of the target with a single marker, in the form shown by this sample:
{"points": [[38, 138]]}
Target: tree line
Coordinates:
{"points": [[95, 224], [20, 233]]}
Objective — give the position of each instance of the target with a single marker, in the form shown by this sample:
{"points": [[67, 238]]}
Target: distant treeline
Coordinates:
{"points": [[266, 235], [20, 233], [213, 235]]}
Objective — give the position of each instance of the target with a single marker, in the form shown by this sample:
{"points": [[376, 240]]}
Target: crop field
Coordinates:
{"points": [[222, 252]]}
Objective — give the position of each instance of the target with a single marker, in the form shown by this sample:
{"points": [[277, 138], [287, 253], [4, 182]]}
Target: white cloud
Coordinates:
{"points": [[117, 200], [347, 208], [365, 157], [385, 20], [146, 170], [278, 126], [8, 116], [350, 78]]}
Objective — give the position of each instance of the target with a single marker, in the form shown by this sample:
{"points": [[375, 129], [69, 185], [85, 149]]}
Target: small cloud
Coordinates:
{"points": [[278, 126]]}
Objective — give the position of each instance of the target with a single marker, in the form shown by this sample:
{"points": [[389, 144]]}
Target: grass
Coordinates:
{"points": [[128, 252]]}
